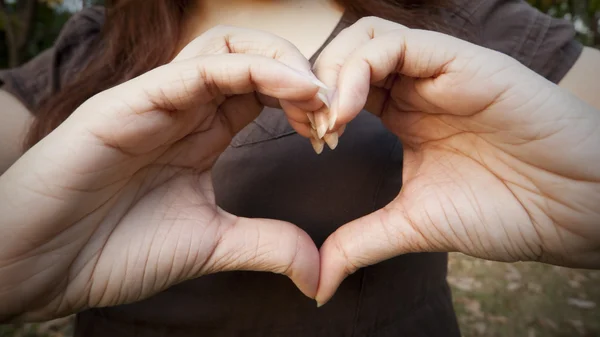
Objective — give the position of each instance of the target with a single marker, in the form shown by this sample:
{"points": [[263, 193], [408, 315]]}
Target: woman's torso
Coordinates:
{"points": [[269, 171]]}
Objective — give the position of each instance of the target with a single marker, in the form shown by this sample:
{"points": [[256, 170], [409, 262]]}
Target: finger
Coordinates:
{"points": [[270, 246], [305, 106], [159, 107], [234, 74], [267, 101], [305, 124], [229, 39], [308, 127], [310, 105], [315, 114], [191, 151], [355, 83], [426, 56], [323, 121], [302, 129], [335, 55], [233, 40], [295, 114], [379, 236]]}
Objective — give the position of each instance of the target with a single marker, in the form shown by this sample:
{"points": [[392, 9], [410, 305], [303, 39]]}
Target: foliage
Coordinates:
{"points": [[584, 13], [48, 24], [28, 27]]}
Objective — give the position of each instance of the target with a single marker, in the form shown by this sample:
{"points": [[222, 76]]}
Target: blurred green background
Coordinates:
{"points": [[491, 299]]}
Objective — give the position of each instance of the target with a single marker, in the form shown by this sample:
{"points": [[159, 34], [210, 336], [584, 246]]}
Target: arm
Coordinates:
{"points": [[22, 89], [583, 79], [15, 123], [542, 43]]}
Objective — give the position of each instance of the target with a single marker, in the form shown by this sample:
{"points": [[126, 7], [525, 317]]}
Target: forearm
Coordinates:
{"points": [[34, 264], [16, 120], [572, 203], [583, 79]]}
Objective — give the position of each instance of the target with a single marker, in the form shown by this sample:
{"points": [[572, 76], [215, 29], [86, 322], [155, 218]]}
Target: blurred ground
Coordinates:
{"points": [[524, 299], [492, 299]]}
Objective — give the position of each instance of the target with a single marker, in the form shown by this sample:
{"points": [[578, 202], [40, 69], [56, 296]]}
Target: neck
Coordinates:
{"points": [[305, 23]]}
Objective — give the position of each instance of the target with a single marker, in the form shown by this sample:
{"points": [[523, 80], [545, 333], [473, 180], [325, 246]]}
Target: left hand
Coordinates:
{"points": [[117, 203], [499, 163]]}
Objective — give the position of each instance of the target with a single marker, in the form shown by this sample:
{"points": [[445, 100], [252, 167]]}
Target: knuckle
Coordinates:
{"points": [[249, 41], [206, 45], [367, 21], [276, 47], [351, 265], [391, 233], [287, 267], [285, 44], [373, 24], [219, 30], [331, 61]]}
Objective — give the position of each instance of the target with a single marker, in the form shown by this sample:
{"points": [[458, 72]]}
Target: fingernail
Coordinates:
{"points": [[332, 119], [311, 77], [323, 96], [317, 145], [319, 305], [333, 113], [322, 130], [332, 140], [311, 119], [318, 83], [313, 132], [322, 123]]}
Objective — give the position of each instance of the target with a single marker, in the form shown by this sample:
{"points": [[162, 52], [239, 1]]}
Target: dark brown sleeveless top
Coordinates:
{"points": [[271, 172]]}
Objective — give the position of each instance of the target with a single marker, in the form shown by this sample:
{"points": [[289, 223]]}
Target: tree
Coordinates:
{"points": [[28, 25], [584, 13], [17, 23]]}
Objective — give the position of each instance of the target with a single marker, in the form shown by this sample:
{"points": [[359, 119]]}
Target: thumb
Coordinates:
{"points": [[376, 237], [271, 246]]}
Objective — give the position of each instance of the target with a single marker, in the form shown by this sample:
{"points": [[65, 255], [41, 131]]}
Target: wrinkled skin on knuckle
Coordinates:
{"points": [[275, 256], [368, 22], [350, 265], [294, 247]]}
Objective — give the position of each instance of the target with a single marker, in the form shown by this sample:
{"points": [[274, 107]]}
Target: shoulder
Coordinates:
{"points": [[82, 26], [545, 44], [44, 75]]}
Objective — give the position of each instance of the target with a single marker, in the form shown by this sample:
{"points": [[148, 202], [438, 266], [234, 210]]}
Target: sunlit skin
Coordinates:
{"points": [[117, 203], [499, 163]]}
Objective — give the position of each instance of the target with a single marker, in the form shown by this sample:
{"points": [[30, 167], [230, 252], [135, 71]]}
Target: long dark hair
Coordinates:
{"points": [[139, 35]]}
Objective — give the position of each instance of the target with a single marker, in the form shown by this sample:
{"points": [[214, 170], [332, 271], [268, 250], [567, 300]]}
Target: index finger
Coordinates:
{"points": [[330, 62], [234, 40], [444, 70]]}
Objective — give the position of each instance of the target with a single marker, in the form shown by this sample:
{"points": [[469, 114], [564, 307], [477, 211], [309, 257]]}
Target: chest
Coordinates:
{"points": [[270, 171]]}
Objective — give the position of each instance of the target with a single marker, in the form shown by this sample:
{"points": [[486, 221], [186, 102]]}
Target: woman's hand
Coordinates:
{"points": [[117, 204], [498, 162]]}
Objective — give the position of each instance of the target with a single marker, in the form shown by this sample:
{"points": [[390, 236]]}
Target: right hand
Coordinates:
{"points": [[116, 204], [499, 163]]}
